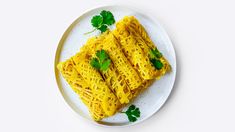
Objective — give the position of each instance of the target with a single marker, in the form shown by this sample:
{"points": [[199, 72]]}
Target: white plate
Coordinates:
{"points": [[149, 101]]}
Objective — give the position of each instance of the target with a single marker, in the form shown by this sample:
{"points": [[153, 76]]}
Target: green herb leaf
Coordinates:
{"points": [[131, 118], [155, 56], [152, 54], [102, 55], [102, 21], [157, 63], [105, 65], [155, 53], [103, 28], [95, 63], [102, 62], [97, 21], [132, 107], [108, 17], [132, 113]]}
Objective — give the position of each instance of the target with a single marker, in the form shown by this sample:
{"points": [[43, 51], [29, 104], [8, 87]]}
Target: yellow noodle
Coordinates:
{"points": [[143, 86], [138, 30], [79, 86], [134, 53], [112, 77], [110, 44], [109, 101]]}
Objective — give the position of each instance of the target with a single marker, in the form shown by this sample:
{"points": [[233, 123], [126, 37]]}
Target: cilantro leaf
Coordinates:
{"points": [[151, 54], [155, 56], [102, 21], [108, 17], [105, 65], [132, 113], [157, 63], [97, 21], [102, 62], [132, 107], [155, 53], [131, 118], [102, 55], [95, 63], [103, 28]]}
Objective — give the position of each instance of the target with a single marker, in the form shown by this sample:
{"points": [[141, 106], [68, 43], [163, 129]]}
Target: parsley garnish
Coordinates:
{"points": [[108, 17], [155, 56], [103, 28], [97, 21], [102, 21], [95, 63], [102, 61], [132, 113], [155, 53], [157, 63]]}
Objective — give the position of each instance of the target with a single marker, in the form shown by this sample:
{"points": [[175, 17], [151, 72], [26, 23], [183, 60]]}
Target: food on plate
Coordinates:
{"points": [[137, 46], [115, 77], [79, 86], [93, 78], [111, 69]]}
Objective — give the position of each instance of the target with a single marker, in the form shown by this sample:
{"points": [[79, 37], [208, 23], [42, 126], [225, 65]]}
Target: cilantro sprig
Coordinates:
{"points": [[155, 56], [157, 63], [101, 61], [102, 21], [132, 113], [155, 53]]}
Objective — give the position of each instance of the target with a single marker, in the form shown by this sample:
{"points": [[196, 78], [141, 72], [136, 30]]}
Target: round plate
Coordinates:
{"points": [[151, 100]]}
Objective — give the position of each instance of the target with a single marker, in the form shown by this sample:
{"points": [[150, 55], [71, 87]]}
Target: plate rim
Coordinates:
{"points": [[63, 39]]}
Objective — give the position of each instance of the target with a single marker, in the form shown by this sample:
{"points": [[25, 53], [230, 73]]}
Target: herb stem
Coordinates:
{"points": [[90, 32]]}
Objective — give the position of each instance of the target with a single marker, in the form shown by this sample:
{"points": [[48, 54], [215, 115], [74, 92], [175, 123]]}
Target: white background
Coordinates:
{"points": [[203, 34]]}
